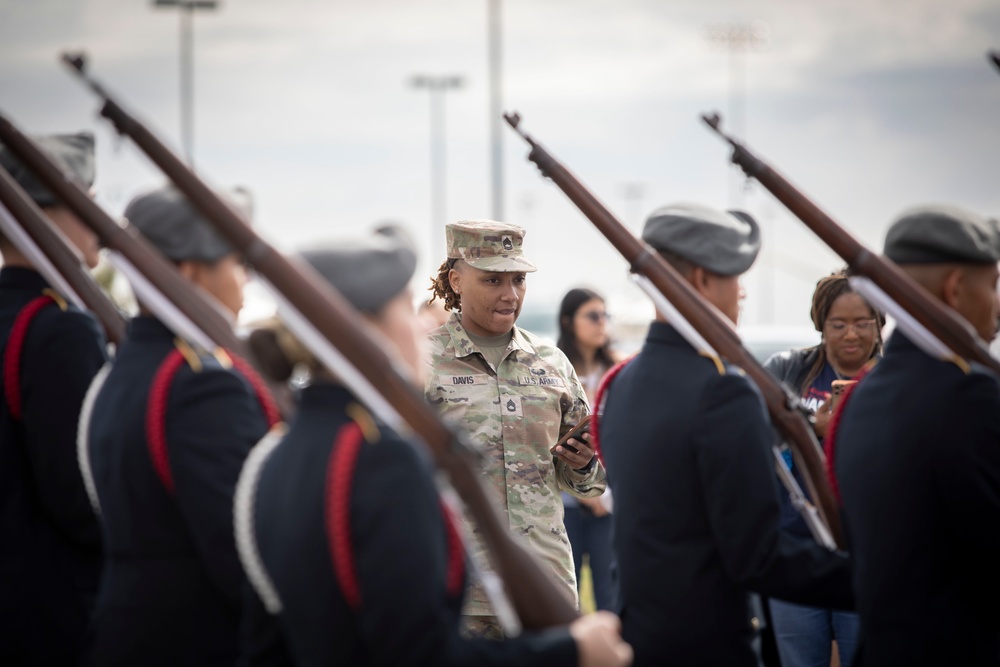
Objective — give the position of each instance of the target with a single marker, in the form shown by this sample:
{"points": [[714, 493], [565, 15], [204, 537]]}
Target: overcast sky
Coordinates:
{"points": [[869, 106]]}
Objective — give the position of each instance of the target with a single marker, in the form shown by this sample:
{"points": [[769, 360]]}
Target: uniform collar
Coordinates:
{"points": [[19, 277], [665, 333], [144, 327], [464, 346]]}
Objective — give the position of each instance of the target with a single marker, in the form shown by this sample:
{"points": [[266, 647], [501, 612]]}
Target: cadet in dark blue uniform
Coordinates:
{"points": [[687, 446], [341, 528], [917, 458], [50, 554], [169, 431]]}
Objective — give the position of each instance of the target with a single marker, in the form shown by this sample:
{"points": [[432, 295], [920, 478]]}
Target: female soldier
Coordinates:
{"points": [[340, 526], [515, 394], [851, 339]]}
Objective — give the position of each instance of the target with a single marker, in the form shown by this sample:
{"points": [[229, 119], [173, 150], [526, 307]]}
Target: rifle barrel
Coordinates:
{"points": [[943, 322], [536, 598], [55, 247], [706, 319]]}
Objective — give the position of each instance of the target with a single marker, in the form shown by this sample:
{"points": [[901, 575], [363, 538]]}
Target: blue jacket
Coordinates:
{"points": [[170, 593], [50, 555], [917, 457], [688, 452], [399, 604]]}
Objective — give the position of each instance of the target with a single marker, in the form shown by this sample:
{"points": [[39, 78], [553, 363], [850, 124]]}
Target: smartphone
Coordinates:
{"points": [[578, 430], [837, 389]]}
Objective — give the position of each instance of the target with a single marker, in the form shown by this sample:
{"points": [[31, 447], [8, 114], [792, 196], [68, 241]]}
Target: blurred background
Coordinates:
{"points": [[338, 115]]}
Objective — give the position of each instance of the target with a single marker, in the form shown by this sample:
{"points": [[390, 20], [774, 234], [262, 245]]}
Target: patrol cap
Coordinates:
{"points": [[368, 271], [74, 152], [488, 245], [170, 222], [723, 242], [942, 234]]}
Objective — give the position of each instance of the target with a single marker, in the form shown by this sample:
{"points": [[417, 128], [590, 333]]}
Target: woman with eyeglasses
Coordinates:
{"points": [[851, 331], [583, 336]]}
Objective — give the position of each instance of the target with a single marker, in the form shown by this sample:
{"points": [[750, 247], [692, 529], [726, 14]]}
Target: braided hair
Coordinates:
{"points": [[441, 287], [829, 289]]}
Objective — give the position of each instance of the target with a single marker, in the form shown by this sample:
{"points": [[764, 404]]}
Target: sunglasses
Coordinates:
{"points": [[595, 316]]}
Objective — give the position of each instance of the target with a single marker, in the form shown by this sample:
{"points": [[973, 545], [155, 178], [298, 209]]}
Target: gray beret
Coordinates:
{"points": [[725, 243], [941, 234], [74, 152], [168, 220], [369, 271]]}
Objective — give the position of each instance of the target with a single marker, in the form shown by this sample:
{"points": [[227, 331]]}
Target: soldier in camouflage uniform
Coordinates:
{"points": [[513, 393]]}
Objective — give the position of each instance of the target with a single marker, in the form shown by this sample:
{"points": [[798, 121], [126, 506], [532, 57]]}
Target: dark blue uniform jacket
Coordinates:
{"points": [[400, 545], [170, 593], [688, 453], [50, 554], [917, 457]]}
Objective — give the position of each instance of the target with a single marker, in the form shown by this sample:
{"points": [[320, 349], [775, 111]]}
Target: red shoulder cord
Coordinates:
{"points": [[829, 442], [12, 353], [156, 417], [339, 482], [339, 479], [602, 389], [156, 411]]}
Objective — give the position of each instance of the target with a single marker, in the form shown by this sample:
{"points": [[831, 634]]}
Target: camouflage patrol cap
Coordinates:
{"points": [[488, 245], [942, 234], [74, 152], [169, 221], [724, 242]]}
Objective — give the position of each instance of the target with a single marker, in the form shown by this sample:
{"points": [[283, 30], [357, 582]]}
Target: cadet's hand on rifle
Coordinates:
{"points": [[821, 420], [599, 642], [579, 459]]}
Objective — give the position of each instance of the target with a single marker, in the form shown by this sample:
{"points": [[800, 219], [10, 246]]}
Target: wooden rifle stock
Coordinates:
{"points": [[781, 405], [942, 322], [533, 592], [125, 240], [34, 222]]}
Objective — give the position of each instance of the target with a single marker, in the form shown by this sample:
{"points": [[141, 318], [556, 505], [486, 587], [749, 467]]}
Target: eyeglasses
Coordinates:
{"points": [[841, 327], [595, 316]]}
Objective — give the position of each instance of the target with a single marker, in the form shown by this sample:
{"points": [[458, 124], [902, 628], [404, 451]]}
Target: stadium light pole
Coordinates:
{"points": [[187, 9], [437, 85]]}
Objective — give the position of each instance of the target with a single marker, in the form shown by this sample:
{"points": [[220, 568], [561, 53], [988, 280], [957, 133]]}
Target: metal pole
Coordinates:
{"points": [[187, 81], [496, 106], [438, 220]]}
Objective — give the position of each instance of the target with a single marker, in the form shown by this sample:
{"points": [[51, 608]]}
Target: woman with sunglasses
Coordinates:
{"points": [[851, 331], [583, 336]]}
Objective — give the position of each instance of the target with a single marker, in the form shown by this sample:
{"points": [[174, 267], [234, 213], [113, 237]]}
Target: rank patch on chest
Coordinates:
{"points": [[510, 406]]}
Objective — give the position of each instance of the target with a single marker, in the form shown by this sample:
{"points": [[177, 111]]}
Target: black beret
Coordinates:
{"points": [[369, 271], [942, 234], [725, 243], [168, 220], [74, 152]]}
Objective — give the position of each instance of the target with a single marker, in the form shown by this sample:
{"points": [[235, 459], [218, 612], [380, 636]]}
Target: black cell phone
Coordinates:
{"points": [[575, 432]]}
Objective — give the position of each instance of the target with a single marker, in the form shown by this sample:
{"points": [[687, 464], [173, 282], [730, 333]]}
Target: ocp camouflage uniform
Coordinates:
{"points": [[514, 414]]}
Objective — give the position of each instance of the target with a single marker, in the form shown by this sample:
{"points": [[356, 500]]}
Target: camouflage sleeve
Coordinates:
{"points": [[593, 482]]}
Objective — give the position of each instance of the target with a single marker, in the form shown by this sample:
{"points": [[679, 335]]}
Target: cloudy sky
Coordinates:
{"points": [[870, 106]]}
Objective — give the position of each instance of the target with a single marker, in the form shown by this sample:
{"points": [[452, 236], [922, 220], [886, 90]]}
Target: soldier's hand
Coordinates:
{"points": [[599, 642], [574, 459]]}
